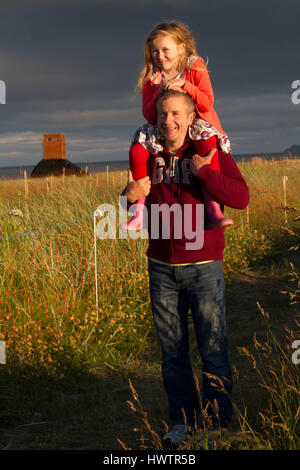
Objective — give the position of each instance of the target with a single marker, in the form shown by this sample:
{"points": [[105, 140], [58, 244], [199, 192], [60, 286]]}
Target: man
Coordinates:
{"points": [[184, 276]]}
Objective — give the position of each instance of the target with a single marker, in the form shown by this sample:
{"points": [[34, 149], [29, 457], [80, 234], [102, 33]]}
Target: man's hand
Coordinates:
{"points": [[197, 162], [137, 189]]}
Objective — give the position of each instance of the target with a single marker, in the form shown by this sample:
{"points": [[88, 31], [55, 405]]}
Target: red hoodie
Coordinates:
{"points": [[172, 182]]}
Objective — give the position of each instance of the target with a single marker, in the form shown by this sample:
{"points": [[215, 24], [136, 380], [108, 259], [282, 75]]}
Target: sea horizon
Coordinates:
{"points": [[17, 171]]}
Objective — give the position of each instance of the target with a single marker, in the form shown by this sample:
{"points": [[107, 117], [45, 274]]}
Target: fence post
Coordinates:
{"points": [[97, 213], [63, 178], [25, 184], [107, 174], [284, 180]]}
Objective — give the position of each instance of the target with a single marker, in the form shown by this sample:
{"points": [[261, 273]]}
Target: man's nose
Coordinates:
{"points": [[168, 118]]}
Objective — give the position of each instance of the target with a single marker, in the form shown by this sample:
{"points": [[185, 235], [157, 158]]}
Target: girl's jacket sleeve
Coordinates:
{"points": [[198, 86]]}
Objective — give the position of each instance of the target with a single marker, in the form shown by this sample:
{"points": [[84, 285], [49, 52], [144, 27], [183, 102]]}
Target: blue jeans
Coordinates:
{"points": [[173, 290]]}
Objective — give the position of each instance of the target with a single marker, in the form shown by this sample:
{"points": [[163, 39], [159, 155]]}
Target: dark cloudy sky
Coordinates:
{"points": [[70, 66]]}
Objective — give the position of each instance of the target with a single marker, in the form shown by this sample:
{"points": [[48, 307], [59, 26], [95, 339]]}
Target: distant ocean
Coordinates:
{"points": [[16, 172]]}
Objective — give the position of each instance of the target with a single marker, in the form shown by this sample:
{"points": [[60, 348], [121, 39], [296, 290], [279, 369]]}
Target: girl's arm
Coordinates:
{"points": [[198, 85], [150, 93]]}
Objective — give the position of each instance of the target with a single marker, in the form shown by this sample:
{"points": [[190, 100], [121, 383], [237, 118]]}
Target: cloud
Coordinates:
{"points": [[93, 47], [25, 138], [265, 112], [71, 66], [28, 148], [262, 123], [11, 155], [104, 130], [31, 3]]}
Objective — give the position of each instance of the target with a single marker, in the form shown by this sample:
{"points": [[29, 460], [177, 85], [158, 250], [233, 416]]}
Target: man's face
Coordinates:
{"points": [[173, 119]]}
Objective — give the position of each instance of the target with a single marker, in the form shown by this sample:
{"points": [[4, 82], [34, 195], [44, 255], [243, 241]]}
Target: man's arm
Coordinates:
{"points": [[227, 187]]}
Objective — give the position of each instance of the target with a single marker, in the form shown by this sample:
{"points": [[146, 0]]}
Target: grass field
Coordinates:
{"points": [[78, 377]]}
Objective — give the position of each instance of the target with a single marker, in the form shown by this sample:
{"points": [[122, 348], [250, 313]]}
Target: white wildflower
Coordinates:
{"points": [[16, 212]]}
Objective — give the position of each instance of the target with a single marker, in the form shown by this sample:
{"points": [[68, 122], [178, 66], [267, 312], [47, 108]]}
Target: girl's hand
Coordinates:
{"points": [[175, 84], [197, 162], [162, 87]]}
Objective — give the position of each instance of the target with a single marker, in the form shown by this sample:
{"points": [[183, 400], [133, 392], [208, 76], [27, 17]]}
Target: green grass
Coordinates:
{"points": [[59, 344]]}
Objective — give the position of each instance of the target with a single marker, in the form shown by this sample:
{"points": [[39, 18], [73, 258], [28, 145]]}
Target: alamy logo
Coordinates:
{"points": [[174, 222], [296, 354], [2, 353], [296, 94], [2, 92]]}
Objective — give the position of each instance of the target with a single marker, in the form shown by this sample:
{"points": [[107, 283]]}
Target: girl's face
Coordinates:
{"points": [[166, 53]]}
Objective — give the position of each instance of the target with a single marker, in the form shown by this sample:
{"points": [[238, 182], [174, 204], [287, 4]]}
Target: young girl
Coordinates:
{"points": [[172, 62]]}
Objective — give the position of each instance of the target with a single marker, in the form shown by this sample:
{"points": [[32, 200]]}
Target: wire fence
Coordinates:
{"points": [[91, 217], [69, 272]]}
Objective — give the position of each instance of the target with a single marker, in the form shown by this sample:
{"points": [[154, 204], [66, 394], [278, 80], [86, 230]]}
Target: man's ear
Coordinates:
{"points": [[191, 117]]}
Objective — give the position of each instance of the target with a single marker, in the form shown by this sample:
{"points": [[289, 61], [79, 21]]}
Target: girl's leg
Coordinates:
{"points": [[138, 157], [212, 208], [204, 146]]}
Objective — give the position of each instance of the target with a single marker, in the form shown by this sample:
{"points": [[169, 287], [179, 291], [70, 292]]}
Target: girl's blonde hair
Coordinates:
{"points": [[181, 34]]}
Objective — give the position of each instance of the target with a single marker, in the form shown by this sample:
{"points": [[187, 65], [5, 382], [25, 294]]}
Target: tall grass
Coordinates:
{"points": [[280, 378], [48, 316]]}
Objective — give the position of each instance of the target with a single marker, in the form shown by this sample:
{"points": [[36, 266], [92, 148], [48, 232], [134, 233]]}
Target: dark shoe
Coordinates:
{"points": [[177, 436]]}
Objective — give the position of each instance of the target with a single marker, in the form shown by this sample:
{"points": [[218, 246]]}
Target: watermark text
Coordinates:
{"points": [[295, 97], [176, 222], [2, 92], [296, 353], [2, 353]]}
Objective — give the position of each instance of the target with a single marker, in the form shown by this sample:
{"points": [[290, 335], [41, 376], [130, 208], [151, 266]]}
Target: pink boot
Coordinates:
{"points": [[136, 223], [214, 213]]}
